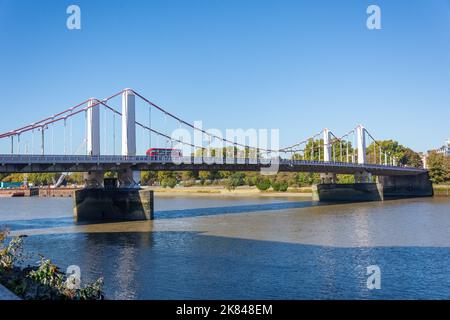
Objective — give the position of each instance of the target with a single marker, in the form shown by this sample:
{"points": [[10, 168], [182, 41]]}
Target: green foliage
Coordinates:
{"points": [[57, 285], [405, 156], [312, 152], [439, 167], [15, 177], [251, 178], [47, 274], [203, 176], [170, 182], [263, 184], [280, 186], [42, 282], [346, 178], [10, 254], [235, 180], [307, 179], [75, 178], [110, 174], [148, 177]]}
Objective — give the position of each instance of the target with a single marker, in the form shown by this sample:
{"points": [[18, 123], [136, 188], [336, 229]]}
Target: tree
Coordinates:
{"points": [[314, 150], [307, 179], [438, 167], [167, 178], [75, 178], [148, 177], [15, 177], [235, 180], [405, 156], [203, 176], [170, 182], [110, 174]]}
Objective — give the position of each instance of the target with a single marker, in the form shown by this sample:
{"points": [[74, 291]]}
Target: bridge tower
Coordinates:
{"points": [[93, 179], [327, 177], [326, 145], [361, 177], [128, 178], [361, 144]]}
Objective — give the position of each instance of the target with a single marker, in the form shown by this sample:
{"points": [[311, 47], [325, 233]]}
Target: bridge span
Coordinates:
{"points": [[62, 163]]}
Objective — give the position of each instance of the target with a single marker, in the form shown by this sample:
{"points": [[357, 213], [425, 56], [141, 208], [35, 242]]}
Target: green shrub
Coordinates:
{"points": [[169, 182], [235, 180], [11, 253], [276, 186], [283, 186], [263, 184], [42, 282]]}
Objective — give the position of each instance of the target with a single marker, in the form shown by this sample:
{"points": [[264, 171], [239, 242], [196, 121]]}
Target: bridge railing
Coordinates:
{"points": [[49, 159]]}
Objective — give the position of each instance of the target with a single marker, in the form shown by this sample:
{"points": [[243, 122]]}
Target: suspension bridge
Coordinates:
{"points": [[37, 152], [116, 139]]}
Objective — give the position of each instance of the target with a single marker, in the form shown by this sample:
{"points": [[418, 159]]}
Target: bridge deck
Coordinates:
{"points": [[62, 163]]}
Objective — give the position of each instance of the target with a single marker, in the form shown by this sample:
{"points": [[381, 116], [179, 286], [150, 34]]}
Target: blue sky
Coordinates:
{"points": [[298, 66]]}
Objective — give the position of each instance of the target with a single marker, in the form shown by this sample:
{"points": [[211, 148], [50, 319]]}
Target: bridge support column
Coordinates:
{"points": [[361, 144], [93, 179], [128, 178], [93, 128], [362, 177], [327, 177], [326, 145]]}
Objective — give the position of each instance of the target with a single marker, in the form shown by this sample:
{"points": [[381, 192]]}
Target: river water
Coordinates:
{"points": [[248, 248]]}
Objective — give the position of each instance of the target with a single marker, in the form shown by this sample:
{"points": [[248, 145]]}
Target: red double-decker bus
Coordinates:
{"points": [[162, 152]]}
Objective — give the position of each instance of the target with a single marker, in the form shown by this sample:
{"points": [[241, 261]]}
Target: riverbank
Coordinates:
{"points": [[243, 191], [441, 190]]}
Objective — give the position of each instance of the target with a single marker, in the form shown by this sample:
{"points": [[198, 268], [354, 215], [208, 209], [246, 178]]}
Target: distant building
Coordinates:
{"points": [[445, 150]]}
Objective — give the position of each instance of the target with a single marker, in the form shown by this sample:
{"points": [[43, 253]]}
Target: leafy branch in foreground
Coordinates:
{"points": [[45, 281]]}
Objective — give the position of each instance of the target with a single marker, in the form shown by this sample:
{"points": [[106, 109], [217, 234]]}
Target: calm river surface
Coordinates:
{"points": [[248, 248]]}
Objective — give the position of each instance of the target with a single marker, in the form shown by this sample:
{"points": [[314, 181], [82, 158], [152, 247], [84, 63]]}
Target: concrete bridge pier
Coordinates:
{"points": [[113, 204], [387, 187], [397, 187]]}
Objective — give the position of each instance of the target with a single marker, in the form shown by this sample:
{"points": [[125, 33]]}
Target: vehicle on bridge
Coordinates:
{"points": [[164, 152]]}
